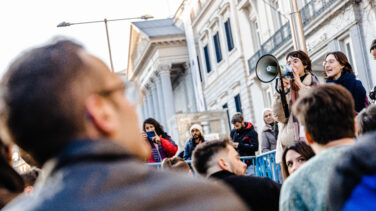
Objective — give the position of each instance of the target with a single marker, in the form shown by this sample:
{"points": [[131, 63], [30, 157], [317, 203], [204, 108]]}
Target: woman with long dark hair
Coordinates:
{"points": [[338, 70], [162, 146], [294, 156]]}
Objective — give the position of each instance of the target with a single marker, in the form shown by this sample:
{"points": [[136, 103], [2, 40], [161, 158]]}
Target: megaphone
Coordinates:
{"points": [[268, 68]]}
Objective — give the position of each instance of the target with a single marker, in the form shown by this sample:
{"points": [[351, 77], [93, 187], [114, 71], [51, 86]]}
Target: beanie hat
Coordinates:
{"points": [[198, 127]]}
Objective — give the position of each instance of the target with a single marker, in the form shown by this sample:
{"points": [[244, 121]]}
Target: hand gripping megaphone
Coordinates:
{"points": [[267, 69]]}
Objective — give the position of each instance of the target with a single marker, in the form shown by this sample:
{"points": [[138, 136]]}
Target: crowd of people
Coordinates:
{"points": [[70, 116]]}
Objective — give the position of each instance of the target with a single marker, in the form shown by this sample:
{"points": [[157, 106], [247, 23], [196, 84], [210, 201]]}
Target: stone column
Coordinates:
{"points": [[360, 56], [167, 91], [149, 101], [161, 102], [154, 96], [188, 83], [143, 111], [145, 105]]}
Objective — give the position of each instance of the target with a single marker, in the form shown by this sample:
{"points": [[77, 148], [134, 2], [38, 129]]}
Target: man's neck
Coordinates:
{"points": [[197, 140], [318, 148], [212, 170]]}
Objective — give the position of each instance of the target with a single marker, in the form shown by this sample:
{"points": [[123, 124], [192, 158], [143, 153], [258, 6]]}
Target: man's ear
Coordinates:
{"points": [[308, 137], [222, 164], [100, 114]]}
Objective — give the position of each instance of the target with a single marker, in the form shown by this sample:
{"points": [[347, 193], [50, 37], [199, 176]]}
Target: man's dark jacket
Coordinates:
{"points": [[101, 175], [260, 193], [189, 147], [247, 138]]}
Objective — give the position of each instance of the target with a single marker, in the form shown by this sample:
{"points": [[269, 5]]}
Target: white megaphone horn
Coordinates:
{"points": [[268, 68]]}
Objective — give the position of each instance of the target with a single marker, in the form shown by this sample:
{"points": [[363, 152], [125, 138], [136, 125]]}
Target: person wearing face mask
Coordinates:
{"points": [[295, 156], [303, 79], [338, 70], [269, 132]]}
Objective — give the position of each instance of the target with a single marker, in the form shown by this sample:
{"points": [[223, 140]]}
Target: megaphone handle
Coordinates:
{"points": [[283, 99], [276, 88]]}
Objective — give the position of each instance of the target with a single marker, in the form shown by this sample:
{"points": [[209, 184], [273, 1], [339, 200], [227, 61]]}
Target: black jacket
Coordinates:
{"points": [[247, 138], [260, 193]]}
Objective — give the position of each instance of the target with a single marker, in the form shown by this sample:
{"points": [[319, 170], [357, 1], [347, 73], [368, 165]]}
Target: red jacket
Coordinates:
{"points": [[168, 150]]}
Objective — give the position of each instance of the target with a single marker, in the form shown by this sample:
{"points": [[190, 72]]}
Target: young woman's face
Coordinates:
{"points": [[294, 160], [149, 127], [333, 68], [296, 64]]}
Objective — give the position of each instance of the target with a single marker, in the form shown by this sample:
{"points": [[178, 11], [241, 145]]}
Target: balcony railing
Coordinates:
{"points": [[309, 12]]}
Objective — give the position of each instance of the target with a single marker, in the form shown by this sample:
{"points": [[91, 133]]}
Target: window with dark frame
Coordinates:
{"points": [[217, 46], [207, 59], [230, 42], [238, 103]]}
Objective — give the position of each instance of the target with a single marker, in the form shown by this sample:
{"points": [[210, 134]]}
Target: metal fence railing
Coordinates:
{"points": [[263, 166]]}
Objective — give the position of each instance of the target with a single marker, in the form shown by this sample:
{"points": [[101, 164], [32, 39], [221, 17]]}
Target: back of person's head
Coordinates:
{"points": [[43, 95], [238, 117], [366, 120], [342, 59], [202, 157], [301, 148], [157, 126], [306, 61], [327, 113], [175, 164]]}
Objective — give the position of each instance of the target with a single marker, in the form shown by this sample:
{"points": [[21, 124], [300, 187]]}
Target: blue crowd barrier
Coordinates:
{"points": [[264, 165]]}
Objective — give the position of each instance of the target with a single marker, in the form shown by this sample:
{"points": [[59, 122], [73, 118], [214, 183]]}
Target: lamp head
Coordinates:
{"points": [[63, 24]]}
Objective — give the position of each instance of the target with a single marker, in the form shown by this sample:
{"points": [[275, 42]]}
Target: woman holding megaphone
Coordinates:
{"points": [[296, 84]]}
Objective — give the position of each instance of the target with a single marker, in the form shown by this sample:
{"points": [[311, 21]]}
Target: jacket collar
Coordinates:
{"points": [[267, 127], [85, 150], [221, 174]]}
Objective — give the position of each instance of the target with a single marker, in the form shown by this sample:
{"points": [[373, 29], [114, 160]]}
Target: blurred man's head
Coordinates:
{"points": [[176, 164], [238, 121], [327, 113], [57, 93], [213, 156], [366, 120]]}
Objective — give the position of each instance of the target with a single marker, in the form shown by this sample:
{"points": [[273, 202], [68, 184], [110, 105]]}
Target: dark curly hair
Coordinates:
{"points": [[158, 127]]}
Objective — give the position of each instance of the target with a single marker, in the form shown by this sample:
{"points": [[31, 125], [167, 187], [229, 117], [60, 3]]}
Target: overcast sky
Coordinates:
{"points": [[28, 23]]}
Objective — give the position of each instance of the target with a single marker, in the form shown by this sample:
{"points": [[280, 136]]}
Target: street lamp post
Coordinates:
{"points": [[65, 24], [297, 27]]}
